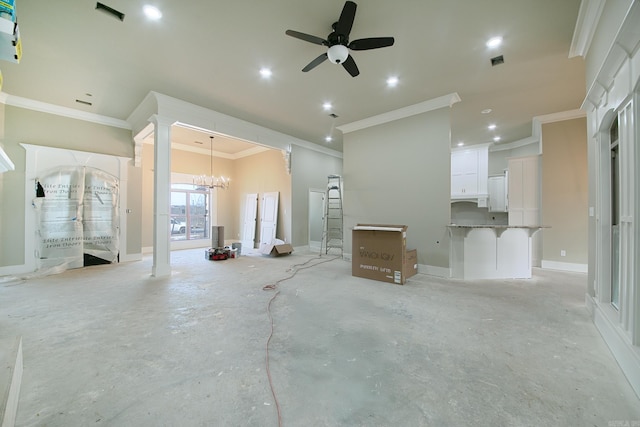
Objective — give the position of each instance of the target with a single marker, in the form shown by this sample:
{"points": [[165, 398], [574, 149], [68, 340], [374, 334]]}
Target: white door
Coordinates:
{"points": [[269, 218], [250, 217]]}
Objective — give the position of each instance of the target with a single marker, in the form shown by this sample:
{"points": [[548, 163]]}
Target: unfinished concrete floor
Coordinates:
{"points": [[110, 345]]}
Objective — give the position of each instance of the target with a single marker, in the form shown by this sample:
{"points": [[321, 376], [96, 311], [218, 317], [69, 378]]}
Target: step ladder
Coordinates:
{"points": [[332, 231]]}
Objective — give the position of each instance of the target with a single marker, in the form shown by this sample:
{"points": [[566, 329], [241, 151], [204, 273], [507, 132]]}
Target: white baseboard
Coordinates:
{"points": [[432, 270], [626, 354], [147, 250], [589, 305], [13, 375], [131, 257], [565, 266], [14, 270]]}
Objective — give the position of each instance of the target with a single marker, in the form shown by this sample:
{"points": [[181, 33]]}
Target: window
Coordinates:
{"points": [[615, 215], [190, 219]]}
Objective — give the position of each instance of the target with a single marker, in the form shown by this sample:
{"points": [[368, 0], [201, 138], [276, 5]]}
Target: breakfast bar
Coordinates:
{"points": [[491, 251]]}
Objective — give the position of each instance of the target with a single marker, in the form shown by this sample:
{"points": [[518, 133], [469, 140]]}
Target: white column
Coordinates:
{"points": [[162, 196]]}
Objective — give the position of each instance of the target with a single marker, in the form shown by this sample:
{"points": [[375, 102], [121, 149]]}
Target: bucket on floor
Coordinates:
{"points": [[238, 246]]}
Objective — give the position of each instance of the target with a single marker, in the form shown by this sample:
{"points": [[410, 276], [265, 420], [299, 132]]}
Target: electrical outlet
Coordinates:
{"points": [[563, 253]]}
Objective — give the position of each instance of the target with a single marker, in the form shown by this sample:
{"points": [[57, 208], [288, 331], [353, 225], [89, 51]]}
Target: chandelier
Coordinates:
{"points": [[211, 181]]}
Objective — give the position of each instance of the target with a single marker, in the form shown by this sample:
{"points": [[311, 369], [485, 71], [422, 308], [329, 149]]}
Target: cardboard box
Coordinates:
{"points": [[410, 263], [277, 249], [379, 251]]}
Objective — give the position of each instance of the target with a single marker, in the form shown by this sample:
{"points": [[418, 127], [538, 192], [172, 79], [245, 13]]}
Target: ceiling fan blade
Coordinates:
{"points": [[307, 37], [313, 64], [350, 65], [346, 19], [371, 43]]}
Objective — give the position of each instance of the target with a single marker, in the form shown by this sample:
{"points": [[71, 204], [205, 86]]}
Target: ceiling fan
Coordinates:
{"points": [[338, 42]]}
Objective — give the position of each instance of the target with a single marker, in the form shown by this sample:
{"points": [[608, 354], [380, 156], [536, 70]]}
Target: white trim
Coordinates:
{"points": [[560, 116], [235, 156], [12, 395], [203, 119], [14, 270], [432, 270], [515, 144], [147, 250], [115, 165], [305, 249], [5, 162], [618, 53], [565, 266], [588, 17], [131, 257], [177, 245], [627, 356], [43, 107], [411, 110]]}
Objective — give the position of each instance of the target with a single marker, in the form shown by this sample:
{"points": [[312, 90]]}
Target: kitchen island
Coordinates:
{"points": [[491, 251]]}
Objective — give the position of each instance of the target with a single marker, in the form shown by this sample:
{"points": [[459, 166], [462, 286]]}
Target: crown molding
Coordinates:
{"points": [[6, 164], [411, 110], [515, 144], [204, 119], [560, 116], [43, 107], [235, 156], [588, 17]]}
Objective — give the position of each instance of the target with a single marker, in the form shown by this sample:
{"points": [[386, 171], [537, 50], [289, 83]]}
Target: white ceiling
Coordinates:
{"points": [[209, 53]]}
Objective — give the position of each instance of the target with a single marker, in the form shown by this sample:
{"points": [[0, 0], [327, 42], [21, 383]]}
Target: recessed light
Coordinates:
{"points": [[392, 81], [265, 72], [327, 106], [496, 138], [494, 42], [486, 111], [328, 138], [460, 144], [152, 12], [491, 126]]}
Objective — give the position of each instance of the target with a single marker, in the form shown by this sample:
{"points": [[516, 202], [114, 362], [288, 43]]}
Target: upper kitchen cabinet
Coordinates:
{"points": [[498, 191], [469, 174]]}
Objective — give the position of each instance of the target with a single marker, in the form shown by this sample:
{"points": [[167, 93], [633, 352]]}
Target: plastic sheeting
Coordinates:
{"points": [[78, 215]]}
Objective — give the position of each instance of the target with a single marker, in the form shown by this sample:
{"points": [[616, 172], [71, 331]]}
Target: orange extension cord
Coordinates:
{"points": [[274, 287]]}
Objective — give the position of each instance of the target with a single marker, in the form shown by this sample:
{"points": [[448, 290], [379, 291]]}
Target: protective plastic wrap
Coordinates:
{"points": [[78, 215]]}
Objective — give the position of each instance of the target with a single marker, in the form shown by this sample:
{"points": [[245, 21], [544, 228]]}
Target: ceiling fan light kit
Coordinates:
{"points": [[338, 44], [338, 53]]}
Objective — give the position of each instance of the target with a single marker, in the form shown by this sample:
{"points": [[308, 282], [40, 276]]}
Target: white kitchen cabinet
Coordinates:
{"points": [[497, 187], [469, 173], [524, 191]]}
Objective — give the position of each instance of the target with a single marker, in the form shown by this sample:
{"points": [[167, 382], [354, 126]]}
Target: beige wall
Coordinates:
{"points": [[259, 173], [32, 127], [400, 173], [565, 191], [262, 173]]}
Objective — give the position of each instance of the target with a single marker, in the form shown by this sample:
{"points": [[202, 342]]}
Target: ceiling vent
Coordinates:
{"points": [[497, 60], [110, 11], [80, 101]]}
